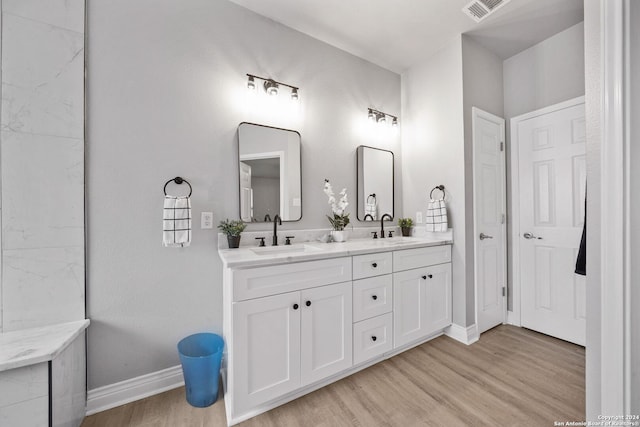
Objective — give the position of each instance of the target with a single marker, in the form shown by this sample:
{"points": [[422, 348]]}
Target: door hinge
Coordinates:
{"points": [[503, 219], [504, 291], [501, 146]]}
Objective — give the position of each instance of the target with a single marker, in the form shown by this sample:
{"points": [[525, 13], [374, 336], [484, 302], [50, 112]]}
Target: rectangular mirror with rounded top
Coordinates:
{"points": [[270, 173], [375, 183]]}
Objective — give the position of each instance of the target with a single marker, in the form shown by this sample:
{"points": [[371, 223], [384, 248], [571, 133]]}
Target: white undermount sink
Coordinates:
{"points": [[285, 249]]}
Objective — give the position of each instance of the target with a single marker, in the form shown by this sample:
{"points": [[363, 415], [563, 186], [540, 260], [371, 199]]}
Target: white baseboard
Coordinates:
{"points": [[467, 335], [110, 396]]}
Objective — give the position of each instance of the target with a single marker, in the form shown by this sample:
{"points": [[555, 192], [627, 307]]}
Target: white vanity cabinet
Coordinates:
{"points": [[279, 343], [421, 294], [294, 324]]}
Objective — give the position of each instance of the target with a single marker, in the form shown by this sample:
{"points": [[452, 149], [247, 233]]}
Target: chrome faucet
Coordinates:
{"points": [[382, 224], [276, 220]]}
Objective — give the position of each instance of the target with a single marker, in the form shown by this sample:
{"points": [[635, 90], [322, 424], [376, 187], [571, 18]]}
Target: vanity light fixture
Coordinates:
{"points": [[271, 87], [381, 117]]}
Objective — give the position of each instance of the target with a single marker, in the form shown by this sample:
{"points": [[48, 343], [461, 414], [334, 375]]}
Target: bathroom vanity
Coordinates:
{"points": [[299, 317]]}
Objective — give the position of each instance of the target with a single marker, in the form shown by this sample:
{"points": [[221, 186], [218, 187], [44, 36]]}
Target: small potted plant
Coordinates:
{"points": [[232, 228], [405, 225]]}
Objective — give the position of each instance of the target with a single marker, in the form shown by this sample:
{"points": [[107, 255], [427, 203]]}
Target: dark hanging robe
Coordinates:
{"points": [[581, 267]]}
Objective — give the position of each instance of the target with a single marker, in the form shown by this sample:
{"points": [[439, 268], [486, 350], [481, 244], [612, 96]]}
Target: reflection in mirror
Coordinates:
{"points": [[270, 174], [375, 183]]}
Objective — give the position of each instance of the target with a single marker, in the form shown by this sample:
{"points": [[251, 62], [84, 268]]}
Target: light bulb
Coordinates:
{"points": [[271, 87], [381, 118], [251, 84], [294, 94], [394, 123], [372, 117]]}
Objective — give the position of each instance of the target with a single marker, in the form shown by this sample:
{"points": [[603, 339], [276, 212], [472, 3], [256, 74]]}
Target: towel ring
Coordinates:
{"points": [[370, 196], [438, 187], [178, 180]]}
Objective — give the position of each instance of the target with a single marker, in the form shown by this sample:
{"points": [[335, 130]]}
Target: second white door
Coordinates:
{"points": [[489, 218]]}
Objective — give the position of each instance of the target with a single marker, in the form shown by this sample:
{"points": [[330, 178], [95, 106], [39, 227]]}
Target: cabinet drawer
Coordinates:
{"points": [[372, 337], [421, 257], [372, 297], [270, 280], [372, 265]]}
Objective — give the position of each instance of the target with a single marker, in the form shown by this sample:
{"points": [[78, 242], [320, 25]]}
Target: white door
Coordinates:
{"points": [[266, 349], [489, 206], [246, 193], [326, 331], [552, 180], [437, 307], [408, 306]]}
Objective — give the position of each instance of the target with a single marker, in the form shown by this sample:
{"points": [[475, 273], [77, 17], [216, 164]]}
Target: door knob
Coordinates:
{"points": [[529, 236], [485, 236]]}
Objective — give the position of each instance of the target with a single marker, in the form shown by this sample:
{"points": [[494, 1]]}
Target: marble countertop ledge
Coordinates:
{"points": [[35, 345], [309, 251]]}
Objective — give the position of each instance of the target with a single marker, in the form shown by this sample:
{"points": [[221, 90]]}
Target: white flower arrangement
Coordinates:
{"points": [[339, 220]]}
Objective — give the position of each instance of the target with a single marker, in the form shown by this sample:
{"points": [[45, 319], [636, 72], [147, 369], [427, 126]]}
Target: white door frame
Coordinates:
{"points": [[615, 279], [284, 207], [514, 316], [475, 113]]}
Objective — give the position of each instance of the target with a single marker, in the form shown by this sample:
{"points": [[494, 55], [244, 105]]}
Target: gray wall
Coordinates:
{"points": [[550, 72], [166, 92], [482, 88], [545, 74], [433, 152], [42, 150], [593, 99]]}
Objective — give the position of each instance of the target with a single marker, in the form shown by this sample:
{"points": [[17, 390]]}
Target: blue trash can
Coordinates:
{"points": [[200, 356]]}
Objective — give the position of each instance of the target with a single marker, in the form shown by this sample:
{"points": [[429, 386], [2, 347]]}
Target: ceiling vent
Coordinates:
{"points": [[480, 9]]}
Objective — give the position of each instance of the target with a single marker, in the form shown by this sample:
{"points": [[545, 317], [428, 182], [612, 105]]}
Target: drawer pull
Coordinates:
{"points": [[373, 338], [308, 303], [374, 297], [374, 265], [295, 306]]}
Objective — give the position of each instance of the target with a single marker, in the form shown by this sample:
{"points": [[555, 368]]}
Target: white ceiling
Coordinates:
{"points": [[396, 37]]}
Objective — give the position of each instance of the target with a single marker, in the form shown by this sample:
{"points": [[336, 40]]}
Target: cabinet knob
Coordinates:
{"points": [[308, 303], [373, 338], [430, 276], [374, 265], [374, 297], [295, 306], [424, 277]]}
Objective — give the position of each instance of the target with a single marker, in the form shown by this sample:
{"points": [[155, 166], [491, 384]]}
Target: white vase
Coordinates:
{"points": [[339, 236]]}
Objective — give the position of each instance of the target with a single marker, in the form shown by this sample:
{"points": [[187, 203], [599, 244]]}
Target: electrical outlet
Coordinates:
{"points": [[206, 220], [419, 217]]}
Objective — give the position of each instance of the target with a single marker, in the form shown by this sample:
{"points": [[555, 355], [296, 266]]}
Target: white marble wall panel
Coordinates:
{"points": [[42, 286], [42, 78], [68, 387], [43, 184], [24, 396], [42, 162], [61, 13]]}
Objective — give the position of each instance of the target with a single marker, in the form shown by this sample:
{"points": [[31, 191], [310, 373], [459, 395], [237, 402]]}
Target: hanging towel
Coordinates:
{"points": [[371, 207], [176, 221], [437, 215]]}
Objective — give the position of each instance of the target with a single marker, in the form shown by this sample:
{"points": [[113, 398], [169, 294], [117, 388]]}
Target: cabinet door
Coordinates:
{"points": [[326, 331], [266, 349], [408, 306], [438, 297]]}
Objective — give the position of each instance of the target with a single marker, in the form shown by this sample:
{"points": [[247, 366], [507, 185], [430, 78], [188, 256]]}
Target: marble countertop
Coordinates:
{"points": [[30, 346], [309, 251]]}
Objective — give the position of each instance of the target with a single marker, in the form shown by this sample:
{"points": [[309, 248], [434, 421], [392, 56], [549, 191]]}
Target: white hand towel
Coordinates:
{"points": [[176, 221], [371, 207], [437, 215]]}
